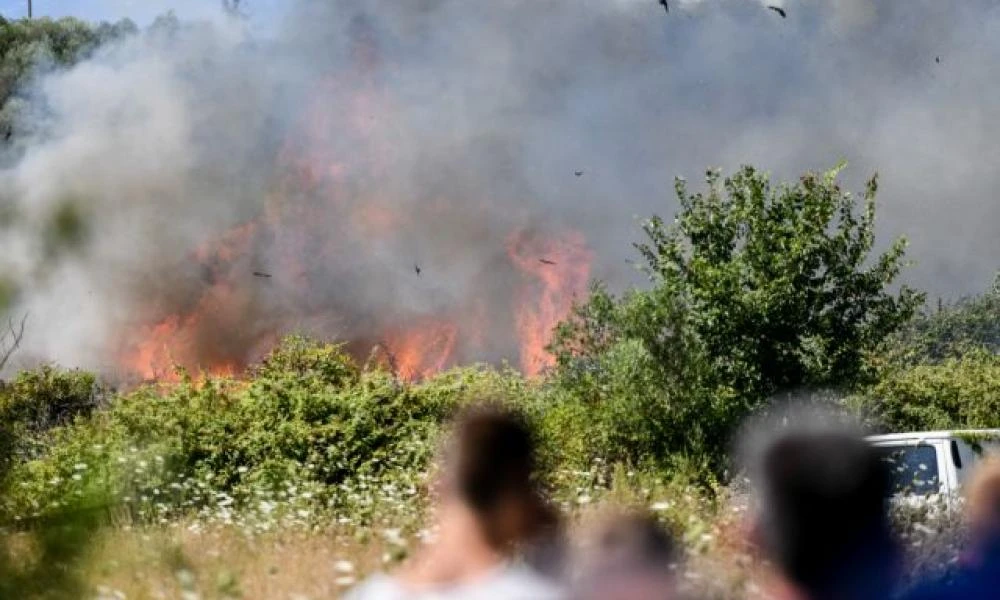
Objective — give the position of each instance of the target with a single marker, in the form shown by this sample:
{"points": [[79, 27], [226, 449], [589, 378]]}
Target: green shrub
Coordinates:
{"points": [[305, 418], [755, 289], [44, 398], [958, 392], [950, 330], [37, 401]]}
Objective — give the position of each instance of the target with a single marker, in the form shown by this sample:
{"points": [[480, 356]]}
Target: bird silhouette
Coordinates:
{"points": [[578, 173], [937, 59], [546, 261], [417, 268], [778, 10], [666, 6]]}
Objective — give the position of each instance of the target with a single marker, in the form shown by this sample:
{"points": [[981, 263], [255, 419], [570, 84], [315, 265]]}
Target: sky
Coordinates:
{"points": [[261, 12]]}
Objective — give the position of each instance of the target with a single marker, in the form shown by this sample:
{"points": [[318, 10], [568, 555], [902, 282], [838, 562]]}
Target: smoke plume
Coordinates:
{"points": [[378, 171]]}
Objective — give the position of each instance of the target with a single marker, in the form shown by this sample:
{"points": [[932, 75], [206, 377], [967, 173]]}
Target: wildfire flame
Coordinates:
{"points": [[559, 269], [422, 350], [327, 206]]}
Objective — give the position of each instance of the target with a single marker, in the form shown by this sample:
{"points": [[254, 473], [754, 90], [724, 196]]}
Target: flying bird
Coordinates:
{"points": [[937, 59], [666, 6], [7, 136], [262, 274], [417, 268], [546, 261], [578, 173], [778, 10]]}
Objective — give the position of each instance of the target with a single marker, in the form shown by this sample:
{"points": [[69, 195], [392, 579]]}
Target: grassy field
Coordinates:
{"points": [[189, 560], [224, 560]]}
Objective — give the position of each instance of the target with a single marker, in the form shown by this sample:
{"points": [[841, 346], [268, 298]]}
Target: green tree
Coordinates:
{"points": [[37, 45], [755, 289], [951, 330], [780, 283]]}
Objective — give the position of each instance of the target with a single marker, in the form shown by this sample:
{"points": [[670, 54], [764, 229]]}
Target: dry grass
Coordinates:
{"points": [[224, 563], [209, 559]]}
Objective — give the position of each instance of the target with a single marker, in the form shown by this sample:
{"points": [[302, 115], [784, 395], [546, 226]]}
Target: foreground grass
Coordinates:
{"points": [[227, 555], [224, 562]]}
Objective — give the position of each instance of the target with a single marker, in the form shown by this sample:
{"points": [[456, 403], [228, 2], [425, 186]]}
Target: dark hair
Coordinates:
{"points": [[634, 540], [824, 518], [491, 467]]}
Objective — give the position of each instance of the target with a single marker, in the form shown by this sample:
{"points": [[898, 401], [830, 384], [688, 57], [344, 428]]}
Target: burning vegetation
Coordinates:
{"points": [[331, 226]]}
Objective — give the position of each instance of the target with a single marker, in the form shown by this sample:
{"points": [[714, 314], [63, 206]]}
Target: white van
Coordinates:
{"points": [[934, 462]]}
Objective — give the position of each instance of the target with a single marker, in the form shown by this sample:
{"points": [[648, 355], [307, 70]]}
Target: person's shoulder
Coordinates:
{"points": [[377, 587]]}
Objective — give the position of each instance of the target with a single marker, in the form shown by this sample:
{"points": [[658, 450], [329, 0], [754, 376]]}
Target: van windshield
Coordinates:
{"points": [[914, 469]]}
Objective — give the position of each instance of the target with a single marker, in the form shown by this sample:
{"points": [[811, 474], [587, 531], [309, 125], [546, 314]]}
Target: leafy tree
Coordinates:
{"points": [[959, 392], [942, 371], [951, 330], [28, 46], [779, 282], [754, 289]]}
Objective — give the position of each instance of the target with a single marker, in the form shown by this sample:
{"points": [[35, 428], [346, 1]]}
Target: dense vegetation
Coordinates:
{"points": [[755, 289]]}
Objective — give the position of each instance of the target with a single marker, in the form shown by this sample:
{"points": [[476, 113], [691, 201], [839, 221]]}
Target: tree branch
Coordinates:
{"points": [[16, 335]]}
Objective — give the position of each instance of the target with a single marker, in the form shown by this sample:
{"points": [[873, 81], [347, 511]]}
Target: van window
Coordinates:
{"points": [[914, 469]]}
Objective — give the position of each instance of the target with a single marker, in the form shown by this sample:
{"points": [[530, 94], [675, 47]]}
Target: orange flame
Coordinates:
{"points": [[559, 270], [422, 350], [316, 190]]}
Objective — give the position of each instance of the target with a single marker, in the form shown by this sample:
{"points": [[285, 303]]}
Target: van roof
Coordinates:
{"points": [[923, 435]]}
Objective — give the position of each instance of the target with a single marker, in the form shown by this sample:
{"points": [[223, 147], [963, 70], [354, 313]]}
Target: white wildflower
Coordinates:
{"points": [[343, 566], [394, 536]]}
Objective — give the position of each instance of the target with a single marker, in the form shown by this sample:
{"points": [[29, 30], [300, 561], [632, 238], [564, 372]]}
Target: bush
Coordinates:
{"points": [[956, 393], [755, 289], [306, 418], [951, 330], [37, 401]]}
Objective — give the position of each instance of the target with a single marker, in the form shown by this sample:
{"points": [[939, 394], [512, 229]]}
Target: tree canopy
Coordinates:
{"points": [[29, 46], [754, 289]]}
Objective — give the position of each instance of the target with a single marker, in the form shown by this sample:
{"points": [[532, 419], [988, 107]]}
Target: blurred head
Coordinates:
{"points": [[489, 469], [823, 520], [629, 557], [983, 504]]}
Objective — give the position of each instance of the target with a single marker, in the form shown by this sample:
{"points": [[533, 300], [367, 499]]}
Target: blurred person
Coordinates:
{"points": [[488, 508], [978, 575], [823, 521], [629, 557]]}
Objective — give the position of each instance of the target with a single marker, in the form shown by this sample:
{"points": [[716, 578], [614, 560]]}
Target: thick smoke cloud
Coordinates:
{"points": [[461, 122]]}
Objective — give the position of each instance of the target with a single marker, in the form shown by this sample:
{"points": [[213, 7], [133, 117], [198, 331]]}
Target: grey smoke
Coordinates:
{"points": [[482, 113]]}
